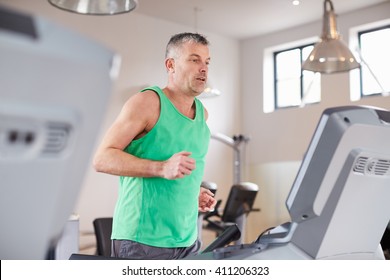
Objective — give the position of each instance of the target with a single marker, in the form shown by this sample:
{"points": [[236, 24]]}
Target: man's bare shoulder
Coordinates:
{"points": [[144, 100]]}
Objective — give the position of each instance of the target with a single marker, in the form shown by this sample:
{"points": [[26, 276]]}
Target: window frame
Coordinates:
{"points": [[355, 79], [361, 72], [300, 47]]}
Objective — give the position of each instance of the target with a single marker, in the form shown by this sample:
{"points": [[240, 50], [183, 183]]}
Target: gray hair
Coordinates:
{"points": [[181, 38]]}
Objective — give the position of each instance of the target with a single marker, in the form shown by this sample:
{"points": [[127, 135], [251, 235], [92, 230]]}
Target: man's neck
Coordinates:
{"points": [[183, 102]]}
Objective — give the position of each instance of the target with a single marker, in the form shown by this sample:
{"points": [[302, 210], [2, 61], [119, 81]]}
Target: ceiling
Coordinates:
{"points": [[244, 18]]}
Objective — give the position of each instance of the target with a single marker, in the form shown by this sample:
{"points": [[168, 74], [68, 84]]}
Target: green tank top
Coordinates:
{"points": [[157, 211]]}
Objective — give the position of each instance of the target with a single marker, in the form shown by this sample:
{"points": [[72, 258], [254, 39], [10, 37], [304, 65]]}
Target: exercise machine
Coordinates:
{"points": [[238, 206], [338, 203], [55, 87]]}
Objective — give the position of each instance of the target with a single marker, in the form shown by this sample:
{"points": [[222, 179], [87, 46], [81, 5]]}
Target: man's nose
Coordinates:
{"points": [[204, 68]]}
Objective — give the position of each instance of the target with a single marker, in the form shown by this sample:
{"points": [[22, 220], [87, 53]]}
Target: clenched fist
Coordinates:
{"points": [[178, 165]]}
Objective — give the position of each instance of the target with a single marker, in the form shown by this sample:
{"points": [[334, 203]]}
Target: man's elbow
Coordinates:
{"points": [[98, 163]]}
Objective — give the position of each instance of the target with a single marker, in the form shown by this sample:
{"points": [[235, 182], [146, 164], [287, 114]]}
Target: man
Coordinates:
{"points": [[157, 145]]}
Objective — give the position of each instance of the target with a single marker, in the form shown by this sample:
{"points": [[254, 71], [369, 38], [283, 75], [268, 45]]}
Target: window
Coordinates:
{"points": [[371, 79], [292, 86], [374, 49], [285, 85]]}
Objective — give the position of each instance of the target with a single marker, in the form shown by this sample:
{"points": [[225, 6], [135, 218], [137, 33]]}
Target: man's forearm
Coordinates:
{"points": [[116, 162]]}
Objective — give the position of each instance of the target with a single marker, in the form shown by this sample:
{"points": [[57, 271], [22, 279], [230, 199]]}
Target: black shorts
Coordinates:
{"points": [[129, 249]]}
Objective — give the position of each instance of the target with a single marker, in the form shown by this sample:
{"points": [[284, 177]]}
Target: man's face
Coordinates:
{"points": [[191, 68]]}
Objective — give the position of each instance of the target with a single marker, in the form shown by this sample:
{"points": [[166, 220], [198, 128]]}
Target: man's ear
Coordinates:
{"points": [[170, 65]]}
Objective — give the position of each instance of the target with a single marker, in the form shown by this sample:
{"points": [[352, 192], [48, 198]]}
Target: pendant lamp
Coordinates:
{"points": [[330, 54], [209, 91], [96, 7]]}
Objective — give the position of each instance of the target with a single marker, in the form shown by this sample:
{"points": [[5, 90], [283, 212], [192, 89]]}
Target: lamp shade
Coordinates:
{"points": [[330, 54], [96, 7]]}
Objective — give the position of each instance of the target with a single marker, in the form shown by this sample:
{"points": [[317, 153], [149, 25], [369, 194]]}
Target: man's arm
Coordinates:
{"points": [[137, 117]]}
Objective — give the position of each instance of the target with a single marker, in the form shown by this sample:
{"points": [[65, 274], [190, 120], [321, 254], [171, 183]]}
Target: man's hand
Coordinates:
{"points": [[206, 200], [178, 166]]}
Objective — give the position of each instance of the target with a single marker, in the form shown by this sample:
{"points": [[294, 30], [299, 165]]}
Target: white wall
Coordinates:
{"points": [[141, 41], [280, 139]]}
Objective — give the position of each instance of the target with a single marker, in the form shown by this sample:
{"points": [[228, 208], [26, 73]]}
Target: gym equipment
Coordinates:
{"points": [[338, 203], [237, 143], [229, 234], [238, 205], [55, 88]]}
